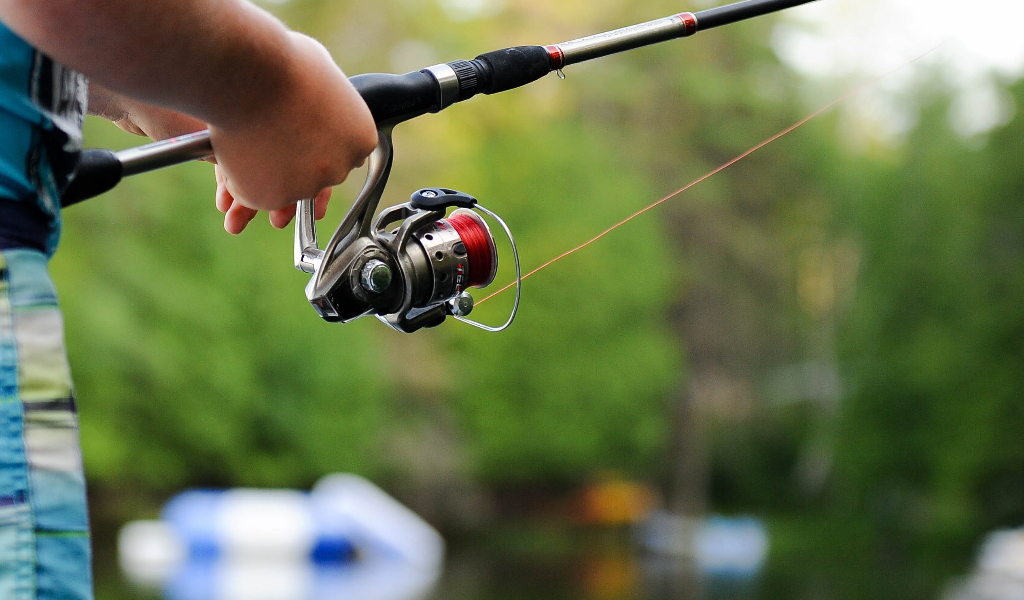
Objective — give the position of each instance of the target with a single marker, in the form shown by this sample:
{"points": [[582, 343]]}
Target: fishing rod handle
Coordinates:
{"points": [[173, 151], [393, 99], [99, 171]]}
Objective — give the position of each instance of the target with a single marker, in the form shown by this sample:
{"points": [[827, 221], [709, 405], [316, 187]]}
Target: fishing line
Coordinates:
{"points": [[721, 168]]}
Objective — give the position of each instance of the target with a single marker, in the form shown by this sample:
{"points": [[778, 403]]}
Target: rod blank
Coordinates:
{"points": [[660, 30], [739, 11]]}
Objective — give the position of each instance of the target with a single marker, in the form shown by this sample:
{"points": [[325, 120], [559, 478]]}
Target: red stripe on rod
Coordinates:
{"points": [[557, 58], [689, 23]]}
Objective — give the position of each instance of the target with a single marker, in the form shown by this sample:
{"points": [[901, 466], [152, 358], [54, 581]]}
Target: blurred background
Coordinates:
{"points": [[800, 379]]}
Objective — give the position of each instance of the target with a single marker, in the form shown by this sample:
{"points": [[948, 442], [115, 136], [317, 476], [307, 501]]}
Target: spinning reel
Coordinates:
{"points": [[411, 266]]}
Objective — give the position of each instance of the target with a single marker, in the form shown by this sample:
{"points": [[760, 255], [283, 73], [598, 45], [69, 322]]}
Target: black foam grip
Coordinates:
{"points": [[396, 98], [510, 68], [98, 171]]}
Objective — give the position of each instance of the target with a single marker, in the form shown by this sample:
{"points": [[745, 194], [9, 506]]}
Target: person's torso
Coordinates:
{"points": [[42, 106]]}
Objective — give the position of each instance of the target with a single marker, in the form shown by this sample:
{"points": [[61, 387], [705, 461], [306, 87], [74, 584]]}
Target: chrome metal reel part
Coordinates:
{"points": [[412, 265]]}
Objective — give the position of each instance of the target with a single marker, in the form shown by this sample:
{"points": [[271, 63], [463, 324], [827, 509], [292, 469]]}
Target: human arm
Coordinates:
{"points": [[285, 122], [140, 118]]}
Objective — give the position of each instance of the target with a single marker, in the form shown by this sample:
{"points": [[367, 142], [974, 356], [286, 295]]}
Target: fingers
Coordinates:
{"points": [[222, 198], [237, 217], [320, 203], [282, 217]]}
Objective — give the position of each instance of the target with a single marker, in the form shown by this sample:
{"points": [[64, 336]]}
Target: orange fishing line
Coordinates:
{"points": [[728, 164]]}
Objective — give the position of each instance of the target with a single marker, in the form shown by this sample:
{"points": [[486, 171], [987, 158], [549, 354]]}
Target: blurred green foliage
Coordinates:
{"points": [[930, 446], [198, 360], [847, 327]]}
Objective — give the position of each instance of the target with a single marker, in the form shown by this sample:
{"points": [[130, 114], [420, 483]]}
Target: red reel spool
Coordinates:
{"points": [[481, 252]]}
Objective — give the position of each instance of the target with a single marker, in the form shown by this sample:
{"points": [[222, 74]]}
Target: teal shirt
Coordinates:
{"points": [[42, 106]]}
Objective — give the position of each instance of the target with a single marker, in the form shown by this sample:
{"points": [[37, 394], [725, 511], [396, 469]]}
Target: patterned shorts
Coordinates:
{"points": [[44, 530]]}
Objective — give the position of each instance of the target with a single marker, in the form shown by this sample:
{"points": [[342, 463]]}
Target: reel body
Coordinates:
{"points": [[411, 266]]}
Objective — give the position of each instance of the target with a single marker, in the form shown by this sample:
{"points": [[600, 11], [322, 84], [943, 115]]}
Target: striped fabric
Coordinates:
{"points": [[42, 107], [44, 532]]}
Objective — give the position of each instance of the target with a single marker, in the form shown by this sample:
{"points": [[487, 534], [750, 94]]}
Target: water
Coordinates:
{"points": [[531, 565]]}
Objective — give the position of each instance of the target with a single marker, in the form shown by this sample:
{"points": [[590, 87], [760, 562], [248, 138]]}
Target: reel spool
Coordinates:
{"points": [[412, 265]]}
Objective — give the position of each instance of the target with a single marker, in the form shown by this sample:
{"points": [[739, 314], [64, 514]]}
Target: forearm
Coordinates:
{"points": [[220, 60], [285, 122], [140, 118]]}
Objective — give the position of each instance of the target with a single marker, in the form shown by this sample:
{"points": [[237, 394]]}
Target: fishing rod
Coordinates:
{"points": [[412, 264]]}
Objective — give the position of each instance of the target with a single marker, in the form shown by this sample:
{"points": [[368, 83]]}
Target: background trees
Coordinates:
{"points": [[825, 335]]}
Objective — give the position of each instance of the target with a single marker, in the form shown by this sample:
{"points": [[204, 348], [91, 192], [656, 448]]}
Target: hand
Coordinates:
{"points": [[159, 123], [305, 138]]}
